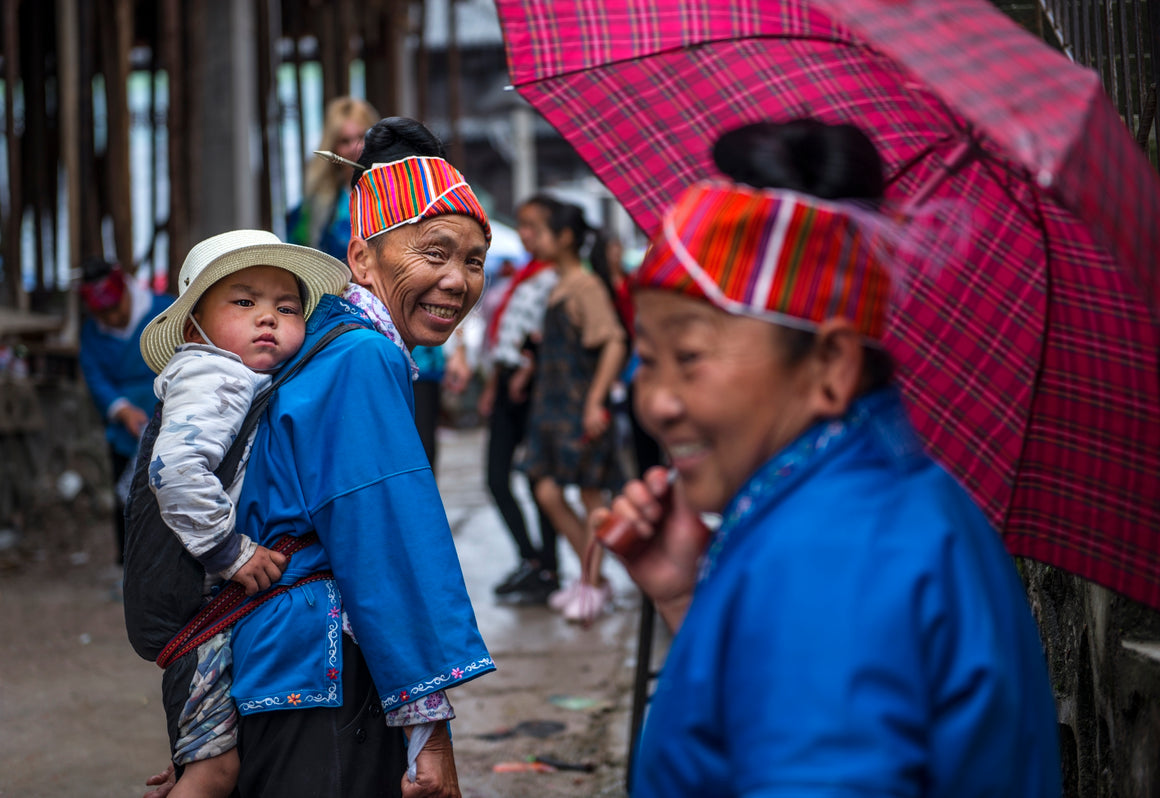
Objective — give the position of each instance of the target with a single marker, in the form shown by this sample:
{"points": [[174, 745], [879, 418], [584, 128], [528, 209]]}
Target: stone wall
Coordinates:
{"points": [[1103, 652]]}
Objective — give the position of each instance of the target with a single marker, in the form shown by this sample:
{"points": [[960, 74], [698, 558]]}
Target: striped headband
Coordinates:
{"points": [[104, 293], [776, 255], [406, 191]]}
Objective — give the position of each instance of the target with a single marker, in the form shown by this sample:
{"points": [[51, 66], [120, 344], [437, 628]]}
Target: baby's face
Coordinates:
{"points": [[255, 313]]}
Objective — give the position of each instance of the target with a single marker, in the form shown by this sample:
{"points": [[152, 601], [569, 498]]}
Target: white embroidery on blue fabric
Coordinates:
{"points": [[328, 697], [418, 689]]}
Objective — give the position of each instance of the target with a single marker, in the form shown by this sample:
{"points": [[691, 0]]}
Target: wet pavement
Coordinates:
{"points": [[560, 691], [80, 713]]}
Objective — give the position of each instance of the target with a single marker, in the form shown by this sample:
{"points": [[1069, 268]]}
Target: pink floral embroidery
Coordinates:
{"points": [[335, 612], [332, 673], [295, 698], [456, 673]]}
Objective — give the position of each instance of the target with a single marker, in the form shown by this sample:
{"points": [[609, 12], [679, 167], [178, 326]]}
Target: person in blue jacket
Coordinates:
{"points": [[371, 652], [853, 625], [119, 382], [341, 681]]}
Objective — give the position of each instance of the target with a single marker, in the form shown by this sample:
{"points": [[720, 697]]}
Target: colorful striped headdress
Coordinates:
{"points": [[105, 292], [406, 191], [781, 256]]}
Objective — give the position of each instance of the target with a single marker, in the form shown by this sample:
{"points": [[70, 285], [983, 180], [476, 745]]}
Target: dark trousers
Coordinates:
{"points": [[506, 429], [323, 752], [428, 399]]}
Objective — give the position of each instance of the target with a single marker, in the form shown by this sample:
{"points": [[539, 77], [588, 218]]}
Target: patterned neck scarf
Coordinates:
{"points": [[377, 314]]}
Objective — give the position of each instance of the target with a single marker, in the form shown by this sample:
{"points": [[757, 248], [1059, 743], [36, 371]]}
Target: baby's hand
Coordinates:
{"points": [[261, 570]]}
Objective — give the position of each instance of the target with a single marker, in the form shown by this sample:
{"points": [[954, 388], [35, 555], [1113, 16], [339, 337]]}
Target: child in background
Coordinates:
{"points": [[506, 403], [570, 440], [241, 315]]}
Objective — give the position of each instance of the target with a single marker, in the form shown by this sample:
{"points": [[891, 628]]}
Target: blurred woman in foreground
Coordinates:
{"points": [[854, 626]]}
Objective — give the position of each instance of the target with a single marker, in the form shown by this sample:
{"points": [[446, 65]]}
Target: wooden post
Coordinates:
{"points": [[36, 163], [267, 114], [91, 241], [302, 142], [172, 46], [117, 27], [454, 86], [377, 54], [422, 67], [68, 79], [12, 224]]}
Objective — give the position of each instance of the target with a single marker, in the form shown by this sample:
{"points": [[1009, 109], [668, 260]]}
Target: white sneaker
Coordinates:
{"points": [[559, 599], [588, 604]]}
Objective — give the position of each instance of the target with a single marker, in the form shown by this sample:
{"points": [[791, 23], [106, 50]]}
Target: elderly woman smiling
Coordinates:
{"points": [[854, 626], [368, 653]]}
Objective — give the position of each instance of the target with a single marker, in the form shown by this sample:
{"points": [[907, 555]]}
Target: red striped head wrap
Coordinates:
{"points": [[409, 190], [104, 293], [781, 256]]}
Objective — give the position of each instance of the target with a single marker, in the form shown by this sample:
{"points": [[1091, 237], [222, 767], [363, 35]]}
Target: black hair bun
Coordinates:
{"points": [[94, 268], [398, 137], [805, 155]]}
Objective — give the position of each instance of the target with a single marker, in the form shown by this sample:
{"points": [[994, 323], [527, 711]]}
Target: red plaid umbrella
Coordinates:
{"points": [[1030, 362]]}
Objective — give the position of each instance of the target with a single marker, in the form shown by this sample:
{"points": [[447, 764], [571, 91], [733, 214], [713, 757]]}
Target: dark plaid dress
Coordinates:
{"points": [[556, 446]]}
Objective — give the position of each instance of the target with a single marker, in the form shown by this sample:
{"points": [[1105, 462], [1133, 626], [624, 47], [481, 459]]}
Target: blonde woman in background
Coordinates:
{"points": [[322, 220]]}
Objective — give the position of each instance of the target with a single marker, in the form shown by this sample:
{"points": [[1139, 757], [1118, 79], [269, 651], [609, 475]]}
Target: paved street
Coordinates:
{"points": [[538, 656], [80, 715]]}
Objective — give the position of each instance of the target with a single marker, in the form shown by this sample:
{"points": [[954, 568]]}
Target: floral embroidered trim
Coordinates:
{"points": [[328, 697], [476, 668], [434, 707], [377, 314]]}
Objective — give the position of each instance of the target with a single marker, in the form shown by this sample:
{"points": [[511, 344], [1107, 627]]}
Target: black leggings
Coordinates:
{"points": [[428, 398], [506, 429]]}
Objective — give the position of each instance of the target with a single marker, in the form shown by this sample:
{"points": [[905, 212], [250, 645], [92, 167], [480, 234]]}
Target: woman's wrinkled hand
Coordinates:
{"points": [[435, 776], [659, 539]]}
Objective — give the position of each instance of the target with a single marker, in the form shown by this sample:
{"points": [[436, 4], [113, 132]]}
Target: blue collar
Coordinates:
{"points": [[788, 467]]}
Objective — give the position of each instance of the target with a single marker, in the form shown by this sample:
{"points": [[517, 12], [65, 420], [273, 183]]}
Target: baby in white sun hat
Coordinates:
{"points": [[244, 297]]}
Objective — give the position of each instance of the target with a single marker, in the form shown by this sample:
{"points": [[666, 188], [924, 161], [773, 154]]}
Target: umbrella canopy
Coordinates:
{"points": [[1030, 361]]}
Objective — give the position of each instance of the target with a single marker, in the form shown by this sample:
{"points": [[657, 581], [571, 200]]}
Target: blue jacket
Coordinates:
{"points": [[113, 368], [859, 630], [338, 452]]}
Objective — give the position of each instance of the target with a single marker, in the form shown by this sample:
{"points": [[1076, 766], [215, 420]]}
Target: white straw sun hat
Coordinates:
{"points": [[224, 254]]}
